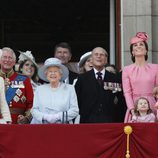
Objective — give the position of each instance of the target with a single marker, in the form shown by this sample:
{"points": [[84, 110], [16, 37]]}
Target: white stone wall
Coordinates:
{"points": [[137, 16], [154, 7]]}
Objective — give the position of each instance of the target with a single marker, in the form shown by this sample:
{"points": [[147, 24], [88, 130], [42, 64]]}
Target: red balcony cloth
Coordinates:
{"points": [[78, 141]]}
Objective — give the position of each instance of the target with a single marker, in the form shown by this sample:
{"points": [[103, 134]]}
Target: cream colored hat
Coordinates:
{"points": [[83, 58], [53, 62], [27, 56]]}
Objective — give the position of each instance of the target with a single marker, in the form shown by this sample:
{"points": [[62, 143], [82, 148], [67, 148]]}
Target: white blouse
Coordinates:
{"points": [[34, 85]]}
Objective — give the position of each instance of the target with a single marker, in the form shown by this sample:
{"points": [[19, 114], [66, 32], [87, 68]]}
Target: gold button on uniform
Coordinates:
{"points": [[10, 104]]}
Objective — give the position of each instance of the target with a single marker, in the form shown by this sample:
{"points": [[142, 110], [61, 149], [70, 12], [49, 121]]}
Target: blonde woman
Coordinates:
{"points": [[85, 63]]}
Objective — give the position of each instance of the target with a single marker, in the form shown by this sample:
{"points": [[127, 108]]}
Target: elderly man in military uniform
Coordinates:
{"points": [[96, 90], [19, 93]]}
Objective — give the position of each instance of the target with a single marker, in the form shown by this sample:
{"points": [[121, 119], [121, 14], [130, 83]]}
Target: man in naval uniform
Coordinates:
{"points": [[19, 93], [96, 91]]}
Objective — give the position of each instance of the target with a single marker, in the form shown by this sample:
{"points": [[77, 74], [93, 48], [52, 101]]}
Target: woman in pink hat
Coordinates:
{"points": [[139, 78]]}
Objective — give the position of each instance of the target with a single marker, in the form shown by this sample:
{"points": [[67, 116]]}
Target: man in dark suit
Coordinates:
{"points": [[96, 92], [62, 51]]}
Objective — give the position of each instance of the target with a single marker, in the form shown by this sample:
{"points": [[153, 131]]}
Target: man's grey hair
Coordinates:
{"points": [[9, 50]]}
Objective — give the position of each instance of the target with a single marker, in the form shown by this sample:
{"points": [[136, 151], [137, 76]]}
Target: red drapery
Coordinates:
{"points": [[78, 141]]}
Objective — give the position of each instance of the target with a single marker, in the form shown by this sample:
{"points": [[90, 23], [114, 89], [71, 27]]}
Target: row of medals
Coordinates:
{"points": [[18, 85], [114, 87]]}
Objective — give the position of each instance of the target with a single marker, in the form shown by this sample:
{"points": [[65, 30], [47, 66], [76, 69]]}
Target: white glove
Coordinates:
{"points": [[51, 118]]}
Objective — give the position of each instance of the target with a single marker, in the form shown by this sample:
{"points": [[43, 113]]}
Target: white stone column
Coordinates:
{"points": [[154, 7]]}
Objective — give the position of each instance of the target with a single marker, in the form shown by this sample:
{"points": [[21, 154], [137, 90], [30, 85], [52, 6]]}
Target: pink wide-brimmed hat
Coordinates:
{"points": [[140, 37]]}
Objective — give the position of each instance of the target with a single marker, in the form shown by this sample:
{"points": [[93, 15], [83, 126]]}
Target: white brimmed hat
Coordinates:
{"points": [[53, 62], [27, 56], [83, 58]]}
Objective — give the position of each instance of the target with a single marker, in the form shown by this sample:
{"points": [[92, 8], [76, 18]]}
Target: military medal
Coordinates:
{"points": [[17, 84], [16, 98], [105, 86], [18, 92], [119, 87], [110, 86], [21, 84], [23, 98], [114, 88]]}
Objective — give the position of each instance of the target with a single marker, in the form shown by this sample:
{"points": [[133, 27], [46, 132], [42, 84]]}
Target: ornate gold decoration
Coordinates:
{"points": [[128, 130]]}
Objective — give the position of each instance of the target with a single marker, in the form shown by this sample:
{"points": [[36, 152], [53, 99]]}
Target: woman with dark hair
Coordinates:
{"points": [[28, 67], [139, 78]]}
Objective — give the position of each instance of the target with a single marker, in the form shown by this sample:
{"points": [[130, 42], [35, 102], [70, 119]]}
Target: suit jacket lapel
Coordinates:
{"points": [[94, 83], [92, 75]]}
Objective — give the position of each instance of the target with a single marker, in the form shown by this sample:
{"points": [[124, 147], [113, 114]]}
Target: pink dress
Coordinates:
{"points": [[147, 118], [139, 82]]}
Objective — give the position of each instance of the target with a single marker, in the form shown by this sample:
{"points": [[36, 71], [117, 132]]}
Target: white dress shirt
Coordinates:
{"points": [[103, 73]]}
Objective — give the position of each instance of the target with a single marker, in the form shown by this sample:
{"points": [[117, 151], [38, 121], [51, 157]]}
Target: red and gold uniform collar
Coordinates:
{"points": [[6, 75]]}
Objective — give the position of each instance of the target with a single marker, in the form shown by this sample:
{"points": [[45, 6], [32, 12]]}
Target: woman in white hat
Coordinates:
{"points": [[28, 67], [55, 102], [85, 63]]}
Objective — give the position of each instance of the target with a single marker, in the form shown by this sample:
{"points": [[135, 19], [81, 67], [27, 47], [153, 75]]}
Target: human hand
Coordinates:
{"points": [[51, 118], [22, 120], [156, 105], [132, 112], [134, 118]]}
